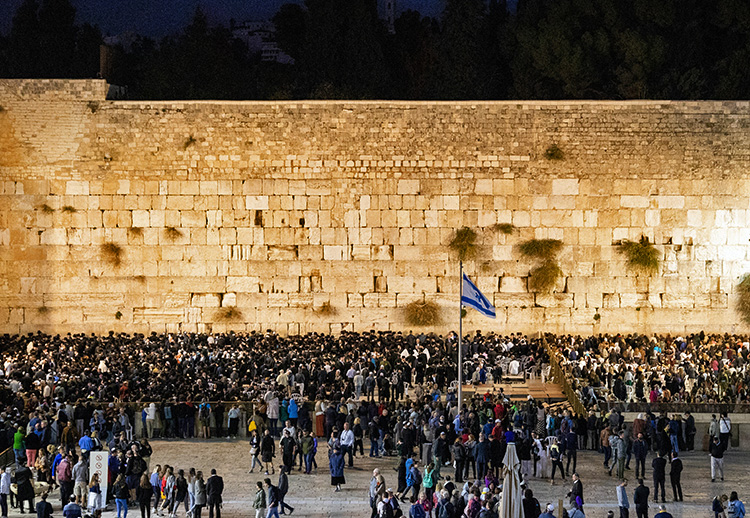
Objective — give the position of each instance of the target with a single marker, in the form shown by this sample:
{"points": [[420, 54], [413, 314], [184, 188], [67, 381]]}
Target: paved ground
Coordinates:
{"points": [[312, 495]]}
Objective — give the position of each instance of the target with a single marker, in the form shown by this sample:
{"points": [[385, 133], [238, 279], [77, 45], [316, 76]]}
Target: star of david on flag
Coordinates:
{"points": [[474, 298]]}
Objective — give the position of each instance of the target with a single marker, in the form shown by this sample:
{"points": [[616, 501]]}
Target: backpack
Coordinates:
{"points": [[732, 509]]}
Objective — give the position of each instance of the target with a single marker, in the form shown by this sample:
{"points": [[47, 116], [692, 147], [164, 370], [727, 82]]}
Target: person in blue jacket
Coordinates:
{"points": [[735, 507], [336, 465], [293, 411]]}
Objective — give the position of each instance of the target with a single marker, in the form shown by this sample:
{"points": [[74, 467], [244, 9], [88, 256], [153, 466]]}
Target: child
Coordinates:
{"points": [[717, 506], [95, 494]]}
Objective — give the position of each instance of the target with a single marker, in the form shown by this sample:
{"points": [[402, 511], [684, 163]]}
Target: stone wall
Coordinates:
{"points": [[280, 209]]}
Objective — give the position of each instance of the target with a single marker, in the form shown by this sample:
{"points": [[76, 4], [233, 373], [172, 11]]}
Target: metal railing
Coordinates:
{"points": [[7, 458], [558, 374]]}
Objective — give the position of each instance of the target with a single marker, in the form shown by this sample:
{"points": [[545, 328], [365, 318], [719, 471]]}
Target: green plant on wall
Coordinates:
{"points": [[230, 314], [422, 313], [544, 249], [464, 243], [642, 256], [554, 153], [172, 233], [112, 253], [543, 277], [325, 309], [743, 298], [503, 228], [189, 142]]}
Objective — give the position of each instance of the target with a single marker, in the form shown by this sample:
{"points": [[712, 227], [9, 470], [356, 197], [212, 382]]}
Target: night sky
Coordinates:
{"points": [[160, 17]]}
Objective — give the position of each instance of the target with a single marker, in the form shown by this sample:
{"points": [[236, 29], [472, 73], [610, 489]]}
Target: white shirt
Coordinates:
{"points": [[347, 437], [5, 483], [725, 425]]}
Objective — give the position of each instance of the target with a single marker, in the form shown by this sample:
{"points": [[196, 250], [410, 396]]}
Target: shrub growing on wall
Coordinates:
{"points": [[544, 277], [230, 314], [172, 233], [112, 253], [325, 309], [503, 228], [642, 255], [545, 249], [463, 243], [554, 153], [422, 313], [743, 298]]}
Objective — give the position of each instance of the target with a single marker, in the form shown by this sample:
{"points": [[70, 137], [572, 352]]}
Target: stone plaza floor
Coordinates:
{"points": [[312, 495]]}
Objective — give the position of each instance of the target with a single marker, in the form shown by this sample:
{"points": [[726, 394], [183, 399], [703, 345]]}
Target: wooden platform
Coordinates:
{"points": [[547, 392]]}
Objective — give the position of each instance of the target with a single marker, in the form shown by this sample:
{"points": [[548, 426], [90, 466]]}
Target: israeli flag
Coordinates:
{"points": [[473, 298]]}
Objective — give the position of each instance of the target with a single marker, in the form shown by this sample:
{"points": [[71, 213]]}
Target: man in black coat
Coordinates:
{"points": [[283, 490], [576, 493], [640, 499], [659, 464], [690, 431], [674, 477], [25, 492], [214, 489], [640, 451]]}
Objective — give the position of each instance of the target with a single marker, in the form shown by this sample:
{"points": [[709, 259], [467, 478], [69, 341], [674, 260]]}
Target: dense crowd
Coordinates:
{"points": [[376, 394], [697, 368], [123, 367]]}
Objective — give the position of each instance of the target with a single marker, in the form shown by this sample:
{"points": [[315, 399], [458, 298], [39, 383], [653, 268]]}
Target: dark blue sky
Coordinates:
{"points": [[160, 17]]}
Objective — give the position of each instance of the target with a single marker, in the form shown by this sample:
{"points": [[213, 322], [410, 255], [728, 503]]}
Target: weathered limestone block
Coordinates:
{"points": [[512, 285]]}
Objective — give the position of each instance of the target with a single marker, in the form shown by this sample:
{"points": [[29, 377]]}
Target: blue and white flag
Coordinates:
{"points": [[473, 298]]}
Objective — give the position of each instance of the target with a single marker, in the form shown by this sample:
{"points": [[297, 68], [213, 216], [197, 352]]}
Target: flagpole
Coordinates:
{"points": [[460, 336]]}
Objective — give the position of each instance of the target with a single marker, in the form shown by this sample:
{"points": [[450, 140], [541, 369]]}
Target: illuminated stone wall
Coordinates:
{"points": [[279, 209]]}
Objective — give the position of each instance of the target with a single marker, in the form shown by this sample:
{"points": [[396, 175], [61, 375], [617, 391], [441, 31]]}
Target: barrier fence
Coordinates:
{"points": [[7, 458], [558, 374], [563, 377]]}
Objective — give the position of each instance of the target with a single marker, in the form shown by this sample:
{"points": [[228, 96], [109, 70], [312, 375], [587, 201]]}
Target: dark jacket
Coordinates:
{"points": [[273, 496], [336, 463], [121, 490], [23, 479], [214, 489], [144, 494], [717, 450], [640, 449], [659, 464], [531, 508], [482, 451], [676, 469], [283, 483], [576, 491], [640, 497], [43, 509]]}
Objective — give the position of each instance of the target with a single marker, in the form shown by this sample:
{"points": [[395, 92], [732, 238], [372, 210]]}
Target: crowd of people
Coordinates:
{"points": [[124, 367], [697, 368], [65, 397]]}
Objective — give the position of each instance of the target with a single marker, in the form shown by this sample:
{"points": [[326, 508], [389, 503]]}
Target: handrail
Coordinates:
{"points": [[559, 375], [7, 458]]}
